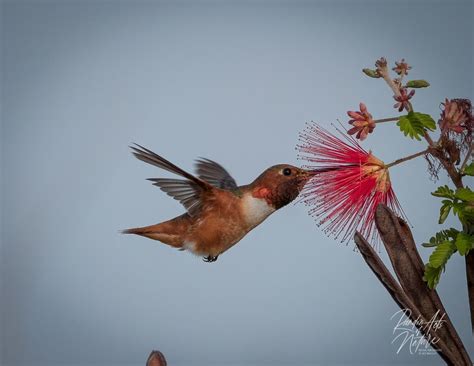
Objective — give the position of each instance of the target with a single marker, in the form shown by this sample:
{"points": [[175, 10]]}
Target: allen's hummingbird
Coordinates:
{"points": [[219, 213]]}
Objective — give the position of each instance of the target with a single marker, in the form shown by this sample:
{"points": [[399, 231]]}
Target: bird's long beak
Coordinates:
{"points": [[303, 173], [303, 176]]}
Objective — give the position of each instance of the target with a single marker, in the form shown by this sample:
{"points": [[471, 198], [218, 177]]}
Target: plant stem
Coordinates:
{"points": [[466, 159], [447, 165], [396, 91], [469, 256], [391, 119], [428, 139], [454, 174], [406, 158], [390, 82]]}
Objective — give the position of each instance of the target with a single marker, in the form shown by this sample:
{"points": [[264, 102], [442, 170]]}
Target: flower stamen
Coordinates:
{"points": [[347, 185]]}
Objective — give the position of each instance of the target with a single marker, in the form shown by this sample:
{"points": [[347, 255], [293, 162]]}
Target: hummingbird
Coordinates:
{"points": [[219, 213]]}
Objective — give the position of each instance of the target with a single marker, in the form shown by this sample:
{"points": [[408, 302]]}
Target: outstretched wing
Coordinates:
{"points": [[190, 192], [215, 174]]}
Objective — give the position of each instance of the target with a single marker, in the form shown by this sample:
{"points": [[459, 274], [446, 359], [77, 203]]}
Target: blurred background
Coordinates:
{"points": [[234, 82]]}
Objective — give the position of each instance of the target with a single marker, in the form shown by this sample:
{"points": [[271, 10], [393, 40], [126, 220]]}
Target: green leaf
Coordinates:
{"points": [[469, 170], [414, 124], [444, 211], [414, 129], [444, 191], [465, 212], [441, 254], [432, 275], [464, 194], [432, 243], [371, 73], [417, 84], [464, 243], [425, 120], [469, 210], [441, 236]]}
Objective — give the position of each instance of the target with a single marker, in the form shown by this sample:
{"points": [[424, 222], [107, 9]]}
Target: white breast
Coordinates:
{"points": [[255, 209]]}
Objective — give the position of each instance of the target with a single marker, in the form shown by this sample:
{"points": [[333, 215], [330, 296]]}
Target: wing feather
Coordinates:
{"points": [[215, 174], [190, 191]]}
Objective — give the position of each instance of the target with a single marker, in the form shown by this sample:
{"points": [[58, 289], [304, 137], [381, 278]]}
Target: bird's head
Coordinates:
{"points": [[280, 184]]}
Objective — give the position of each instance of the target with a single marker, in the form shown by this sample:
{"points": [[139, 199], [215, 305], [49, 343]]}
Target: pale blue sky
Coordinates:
{"points": [[81, 80]]}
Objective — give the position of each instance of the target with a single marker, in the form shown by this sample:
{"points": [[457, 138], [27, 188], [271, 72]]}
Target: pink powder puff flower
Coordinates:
{"points": [[347, 185]]}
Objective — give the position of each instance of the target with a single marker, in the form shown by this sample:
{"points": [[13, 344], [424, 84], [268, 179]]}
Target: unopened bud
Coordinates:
{"points": [[371, 73], [417, 84]]}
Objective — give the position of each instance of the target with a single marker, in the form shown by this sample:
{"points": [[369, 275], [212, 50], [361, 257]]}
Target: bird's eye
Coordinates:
{"points": [[287, 171]]}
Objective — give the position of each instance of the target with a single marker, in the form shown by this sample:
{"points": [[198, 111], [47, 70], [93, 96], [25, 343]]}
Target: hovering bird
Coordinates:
{"points": [[219, 213]]}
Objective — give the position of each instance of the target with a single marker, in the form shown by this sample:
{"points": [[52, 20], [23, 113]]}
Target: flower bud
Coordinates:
{"points": [[417, 84], [371, 73]]}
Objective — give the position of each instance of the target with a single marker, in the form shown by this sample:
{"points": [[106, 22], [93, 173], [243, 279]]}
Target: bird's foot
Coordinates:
{"points": [[210, 259]]}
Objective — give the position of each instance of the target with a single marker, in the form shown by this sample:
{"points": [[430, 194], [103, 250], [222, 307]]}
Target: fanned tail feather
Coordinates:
{"points": [[156, 232]]}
